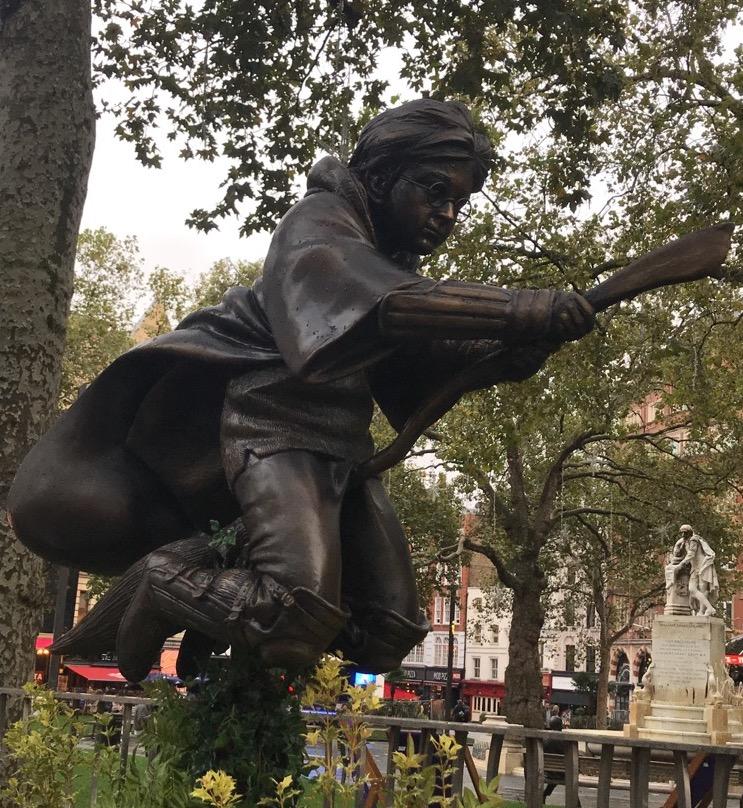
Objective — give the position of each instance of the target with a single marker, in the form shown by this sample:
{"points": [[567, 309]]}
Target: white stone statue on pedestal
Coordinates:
{"points": [[686, 693], [691, 578]]}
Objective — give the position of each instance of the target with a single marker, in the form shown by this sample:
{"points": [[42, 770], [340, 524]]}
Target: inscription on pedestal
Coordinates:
{"points": [[683, 648], [679, 660]]}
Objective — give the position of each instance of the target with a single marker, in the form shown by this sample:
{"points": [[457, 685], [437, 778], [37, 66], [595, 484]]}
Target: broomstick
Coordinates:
{"points": [[696, 255], [689, 258]]}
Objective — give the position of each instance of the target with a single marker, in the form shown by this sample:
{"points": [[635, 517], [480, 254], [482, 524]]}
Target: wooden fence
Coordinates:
{"points": [[684, 758]]}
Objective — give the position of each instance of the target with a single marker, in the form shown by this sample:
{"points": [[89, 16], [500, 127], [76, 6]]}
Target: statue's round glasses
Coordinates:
{"points": [[437, 196]]}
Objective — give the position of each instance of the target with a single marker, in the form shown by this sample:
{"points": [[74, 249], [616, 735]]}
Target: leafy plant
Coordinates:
{"points": [[342, 735], [218, 789], [44, 753], [243, 719], [46, 759], [413, 783], [285, 794], [223, 540]]}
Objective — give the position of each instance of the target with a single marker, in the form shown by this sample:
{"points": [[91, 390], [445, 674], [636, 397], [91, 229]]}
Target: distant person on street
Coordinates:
{"points": [[461, 711], [558, 748]]}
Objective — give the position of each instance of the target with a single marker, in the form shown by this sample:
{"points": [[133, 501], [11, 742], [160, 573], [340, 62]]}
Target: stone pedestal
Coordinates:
{"points": [[512, 753], [684, 649], [688, 694]]}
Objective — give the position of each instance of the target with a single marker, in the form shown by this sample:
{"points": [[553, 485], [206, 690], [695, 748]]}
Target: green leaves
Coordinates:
{"points": [[244, 720], [44, 753], [268, 86]]}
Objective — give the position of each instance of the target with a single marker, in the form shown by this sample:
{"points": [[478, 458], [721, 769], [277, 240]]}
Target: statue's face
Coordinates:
{"points": [[422, 206]]}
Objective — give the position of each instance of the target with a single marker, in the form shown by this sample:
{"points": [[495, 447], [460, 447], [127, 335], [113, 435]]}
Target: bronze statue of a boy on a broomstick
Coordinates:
{"points": [[256, 414]]}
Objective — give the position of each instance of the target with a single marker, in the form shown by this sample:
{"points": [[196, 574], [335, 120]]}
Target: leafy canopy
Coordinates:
{"points": [[267, 85]]}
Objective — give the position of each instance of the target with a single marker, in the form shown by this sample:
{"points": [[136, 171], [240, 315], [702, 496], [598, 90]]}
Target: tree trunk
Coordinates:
{"points": [[523, 678], [47, 125], [602, 684]]}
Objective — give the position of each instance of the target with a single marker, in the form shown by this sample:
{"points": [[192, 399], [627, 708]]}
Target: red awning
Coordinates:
{"points": [[44, 640], [99, 673]]}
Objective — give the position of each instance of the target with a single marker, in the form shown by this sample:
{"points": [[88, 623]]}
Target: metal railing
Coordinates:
{"points": [[682, 757]]}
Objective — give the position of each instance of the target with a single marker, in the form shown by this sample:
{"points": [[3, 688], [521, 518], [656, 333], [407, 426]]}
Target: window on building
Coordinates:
{"points": [[441, 652], [590, 659], [438, 610], [441, 611], [495, 633], [83, 606], [477, 604], [493, 667], [570, 658], [570, 611], [541, 655], [416, 655], [590, 615], [477, 633], [476, 667]]}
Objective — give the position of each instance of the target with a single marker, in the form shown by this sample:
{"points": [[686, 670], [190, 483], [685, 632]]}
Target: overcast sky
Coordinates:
{"points": [[152, 204]]}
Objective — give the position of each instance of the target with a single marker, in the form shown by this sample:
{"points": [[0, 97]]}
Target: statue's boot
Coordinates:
{"points": [[288, 628], [378, 639]]}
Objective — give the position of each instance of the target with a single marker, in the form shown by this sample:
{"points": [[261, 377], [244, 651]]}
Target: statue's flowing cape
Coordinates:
{"points": [[311, 312]]}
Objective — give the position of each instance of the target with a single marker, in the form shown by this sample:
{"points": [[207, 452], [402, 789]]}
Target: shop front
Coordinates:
{"points": [[423, 682], [435, 683], [569, 699], [43, 655], [735, 667], [82, 676], [407, 686], [483, 697], [487, 696]]}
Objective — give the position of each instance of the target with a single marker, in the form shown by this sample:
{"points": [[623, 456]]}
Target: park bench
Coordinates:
{"points": [[662, 772]]}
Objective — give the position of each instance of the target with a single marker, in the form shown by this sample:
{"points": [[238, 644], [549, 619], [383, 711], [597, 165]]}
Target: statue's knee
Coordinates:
{"points": [[378, 640], [32, 516], [303, 630]]}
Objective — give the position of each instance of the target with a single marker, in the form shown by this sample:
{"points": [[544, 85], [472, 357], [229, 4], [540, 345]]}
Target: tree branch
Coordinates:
{"points": [[598, 512], [497, 503], [519, 501], [635, 610], [553, 478], [693, 77], [596, 533], [506, 577]]}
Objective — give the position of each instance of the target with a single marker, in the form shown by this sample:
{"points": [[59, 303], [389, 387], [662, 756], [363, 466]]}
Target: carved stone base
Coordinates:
{"points": [[687, 696]]}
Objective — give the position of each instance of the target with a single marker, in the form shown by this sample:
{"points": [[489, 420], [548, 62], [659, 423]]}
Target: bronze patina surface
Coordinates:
{"points": [[255, 414]]}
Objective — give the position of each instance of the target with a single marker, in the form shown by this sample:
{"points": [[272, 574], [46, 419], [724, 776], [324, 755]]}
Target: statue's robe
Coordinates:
{"points": [[311, 315]]}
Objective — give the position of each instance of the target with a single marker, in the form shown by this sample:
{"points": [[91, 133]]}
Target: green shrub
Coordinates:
{"points": [[245, 720], [43, 754]]}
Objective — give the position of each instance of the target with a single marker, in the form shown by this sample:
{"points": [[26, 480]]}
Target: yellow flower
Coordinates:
{"points": [[216, 788]]}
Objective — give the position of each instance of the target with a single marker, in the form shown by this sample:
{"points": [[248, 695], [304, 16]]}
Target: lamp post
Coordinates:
{"points": [[450, 659], [63, 582]]}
